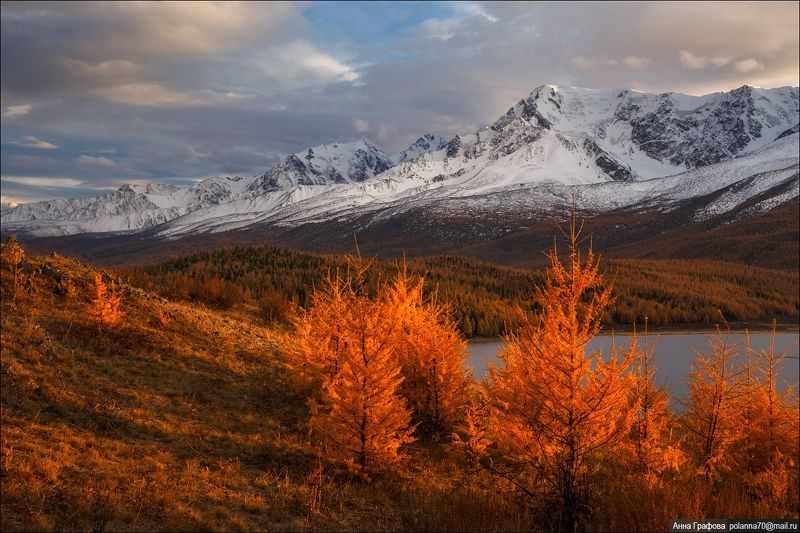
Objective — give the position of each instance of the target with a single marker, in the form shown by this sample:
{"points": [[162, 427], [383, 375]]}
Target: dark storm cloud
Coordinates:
{"points": [[97, 93]]}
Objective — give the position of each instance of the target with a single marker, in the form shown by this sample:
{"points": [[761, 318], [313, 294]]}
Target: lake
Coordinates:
{"points": [[673, 354]]}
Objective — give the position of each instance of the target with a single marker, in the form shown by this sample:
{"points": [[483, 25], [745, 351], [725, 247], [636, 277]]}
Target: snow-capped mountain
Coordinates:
{"points": [[135, 207], [613, 149], [131, 207], [324, 165]]}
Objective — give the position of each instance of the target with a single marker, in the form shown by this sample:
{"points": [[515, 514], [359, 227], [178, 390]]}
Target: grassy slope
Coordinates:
{"points": [[149, 425], [181, 426]]}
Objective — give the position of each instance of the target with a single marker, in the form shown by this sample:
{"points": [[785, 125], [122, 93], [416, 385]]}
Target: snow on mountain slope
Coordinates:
{"points": [[614, 149], [663, 134], [423, 145], [735, 180], [387, 196], [324, 165], [134, 207], [131, 207]]}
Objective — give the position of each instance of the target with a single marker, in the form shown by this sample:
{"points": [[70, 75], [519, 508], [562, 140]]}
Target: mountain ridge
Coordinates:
{"points": [[613, 149]]}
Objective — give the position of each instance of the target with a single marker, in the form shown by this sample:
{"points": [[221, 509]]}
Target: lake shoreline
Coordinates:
{"points": [[675, 354], [681, 329]]}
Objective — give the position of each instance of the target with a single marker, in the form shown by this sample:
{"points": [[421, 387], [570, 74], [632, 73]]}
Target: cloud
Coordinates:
{"points": [[689, 60], [473, 9], [581, 63], [459, 21], [16, 110], [440, 29], [301, 64], [113, 68], [104, 168], [692, 61], [147, 94], [33, 142], [180, 90], [635, 62], [748, 65], [88, 161], [43, 182]]}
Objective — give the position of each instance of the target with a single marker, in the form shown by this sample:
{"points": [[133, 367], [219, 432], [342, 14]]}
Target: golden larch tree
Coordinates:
{"points": [[315, 354], [107, 301], [713, 418], [768, 450], [432, 357], [554, 407], [650, 448], [361, 418]]}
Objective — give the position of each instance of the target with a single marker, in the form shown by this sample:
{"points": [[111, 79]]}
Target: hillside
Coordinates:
{"points": [[484, 297], [167, 421], [182, 418]]}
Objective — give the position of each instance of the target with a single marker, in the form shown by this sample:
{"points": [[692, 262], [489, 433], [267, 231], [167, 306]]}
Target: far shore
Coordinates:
{"points": [[683, 329]]}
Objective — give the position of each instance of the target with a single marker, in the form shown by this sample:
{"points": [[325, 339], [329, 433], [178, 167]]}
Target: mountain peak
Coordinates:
{"points": [[427, 143], [326, 164]]}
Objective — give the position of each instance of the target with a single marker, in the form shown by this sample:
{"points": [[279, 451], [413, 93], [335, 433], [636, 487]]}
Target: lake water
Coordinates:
{"points": [[673, 353]]}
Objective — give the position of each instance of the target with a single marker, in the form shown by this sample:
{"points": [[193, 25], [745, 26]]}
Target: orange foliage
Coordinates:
{"points": [[360, 418], [650, 448], [12, 255], [432, 356], [738, 424], [315, 356], [769, 445], [554, 407], [106, 305], [714, 416]]}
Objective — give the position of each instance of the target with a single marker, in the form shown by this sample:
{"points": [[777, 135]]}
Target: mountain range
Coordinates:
{"points": [[723, 157]]}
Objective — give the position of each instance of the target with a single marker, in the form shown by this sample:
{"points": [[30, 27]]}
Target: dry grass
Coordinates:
{"points": [[176, 418], [181, 418]]}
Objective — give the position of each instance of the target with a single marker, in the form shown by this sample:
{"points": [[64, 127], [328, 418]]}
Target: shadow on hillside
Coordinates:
{"points": [[131, 384]]}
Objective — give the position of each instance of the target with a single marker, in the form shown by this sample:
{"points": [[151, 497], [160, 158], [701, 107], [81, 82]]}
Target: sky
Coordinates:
{"points": [[94, 95]]}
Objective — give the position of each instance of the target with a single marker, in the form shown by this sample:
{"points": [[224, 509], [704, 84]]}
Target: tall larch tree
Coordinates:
{"points": [[651, 447], [713, 418], [432, 356], [361, 419], [554, 407], [770, 442]]}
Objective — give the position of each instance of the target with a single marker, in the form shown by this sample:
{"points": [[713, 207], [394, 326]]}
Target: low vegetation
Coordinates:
{"points": [[357, 414]]}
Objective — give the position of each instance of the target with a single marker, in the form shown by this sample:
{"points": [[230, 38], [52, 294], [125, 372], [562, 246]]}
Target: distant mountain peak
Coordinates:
{"points": [[326, 164], [427, 143]]}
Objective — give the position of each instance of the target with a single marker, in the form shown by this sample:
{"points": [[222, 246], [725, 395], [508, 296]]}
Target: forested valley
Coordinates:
{"points": [[485, 300]]}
